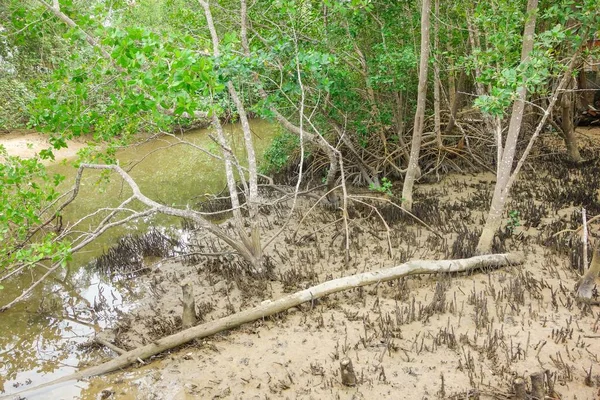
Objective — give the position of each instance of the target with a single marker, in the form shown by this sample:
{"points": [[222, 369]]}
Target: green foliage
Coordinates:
{"points": [[25, 58], [350, 7], [392, 68], [385, 187], [279, 152], [147, 72], [514, 220], [501, 25], [16, 97], [25, 190]]}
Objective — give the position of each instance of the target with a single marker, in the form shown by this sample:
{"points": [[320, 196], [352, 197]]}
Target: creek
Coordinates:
{"points": [[45, 336]]}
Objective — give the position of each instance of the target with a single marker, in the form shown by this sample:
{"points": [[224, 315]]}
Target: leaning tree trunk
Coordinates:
{"points": [[494, 217], [412, 171], [252, 240]]}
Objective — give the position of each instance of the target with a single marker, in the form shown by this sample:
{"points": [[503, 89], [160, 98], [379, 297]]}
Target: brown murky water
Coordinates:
{"points": [[40, 338]]}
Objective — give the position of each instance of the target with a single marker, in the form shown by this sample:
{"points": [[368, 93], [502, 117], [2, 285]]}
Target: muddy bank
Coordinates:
{"points": [[43, 338], [445, 336], [27, 144]]}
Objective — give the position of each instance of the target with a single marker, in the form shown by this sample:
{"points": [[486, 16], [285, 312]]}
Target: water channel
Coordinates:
{"points": [[41, 338]]}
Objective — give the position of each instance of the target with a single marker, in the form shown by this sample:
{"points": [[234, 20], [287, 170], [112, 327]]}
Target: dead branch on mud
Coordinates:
{"points": [[271, 307], [388, 201], [108, 222]]}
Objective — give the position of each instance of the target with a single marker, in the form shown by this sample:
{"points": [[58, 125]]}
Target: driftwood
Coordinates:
{"points": [[270, 307]]}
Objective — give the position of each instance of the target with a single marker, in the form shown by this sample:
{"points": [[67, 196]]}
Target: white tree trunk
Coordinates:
{"points": [[436, 80], [251, 240], [413, 171], [494, 218]]}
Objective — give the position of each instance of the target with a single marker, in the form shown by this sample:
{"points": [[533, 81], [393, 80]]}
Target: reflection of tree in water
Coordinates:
{"points": [[32, 343], [40, 336]]}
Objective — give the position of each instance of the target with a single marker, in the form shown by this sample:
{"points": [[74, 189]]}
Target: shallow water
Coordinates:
{"points": [[39, 338]]}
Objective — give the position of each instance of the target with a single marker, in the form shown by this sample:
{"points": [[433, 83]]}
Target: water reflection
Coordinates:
{"points": [[40, 339]]}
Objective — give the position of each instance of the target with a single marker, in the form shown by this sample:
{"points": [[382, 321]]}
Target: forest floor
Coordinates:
{"points": [[443, 336]]}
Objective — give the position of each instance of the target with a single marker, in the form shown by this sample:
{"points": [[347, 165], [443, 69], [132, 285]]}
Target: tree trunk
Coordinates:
{"points": [[583, 99], [452, 92], [494, 218], [436, 80], [455, 99], [252, 240], [413, 164], [568, 108], [252, 199]]}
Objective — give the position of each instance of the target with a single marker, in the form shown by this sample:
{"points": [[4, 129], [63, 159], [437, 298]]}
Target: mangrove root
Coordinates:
{"points": [[188, 318], [271, 307], [347, 371]]}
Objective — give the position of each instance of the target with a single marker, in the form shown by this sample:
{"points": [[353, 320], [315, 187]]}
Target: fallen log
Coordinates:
{"points": [[269, 307]]}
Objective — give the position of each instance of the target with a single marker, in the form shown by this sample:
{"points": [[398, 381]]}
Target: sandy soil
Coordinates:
{"points": [[447, 336], [460, 336], [27, 144]]}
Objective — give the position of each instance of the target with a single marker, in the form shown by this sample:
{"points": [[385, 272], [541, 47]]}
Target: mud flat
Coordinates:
{"points": [[450, 336], [442, 336]]}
